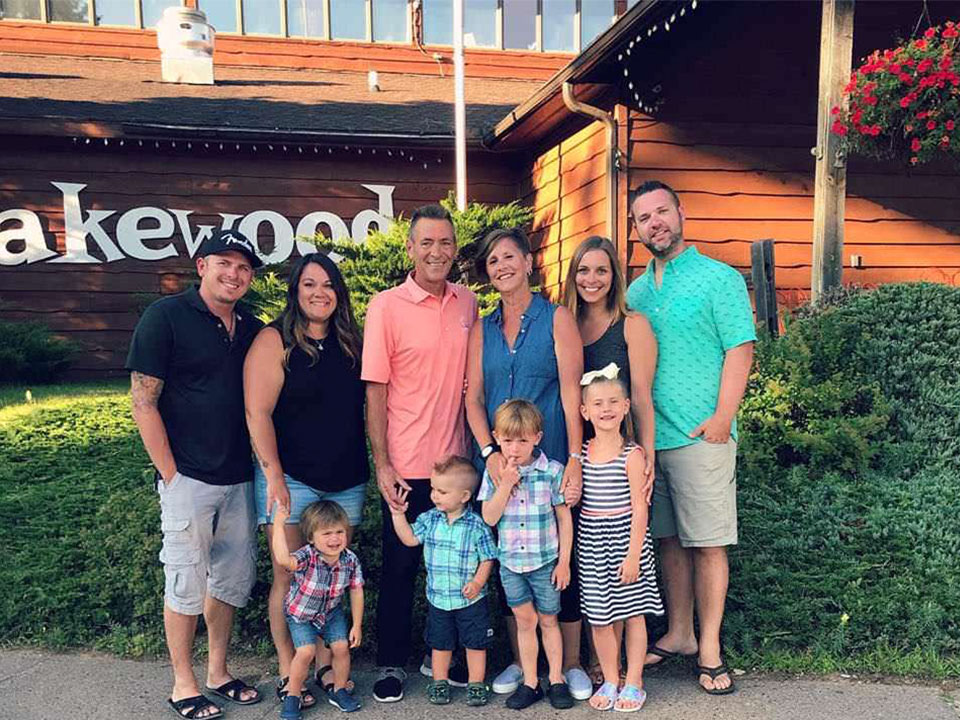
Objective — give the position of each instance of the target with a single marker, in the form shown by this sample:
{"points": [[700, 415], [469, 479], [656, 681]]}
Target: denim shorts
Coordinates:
{"points": [[351, 499], [534, 586], [469, 625], [306, 633], [208, 543]]}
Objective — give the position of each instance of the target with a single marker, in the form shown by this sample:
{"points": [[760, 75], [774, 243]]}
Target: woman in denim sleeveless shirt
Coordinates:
{"points": [[529, 348]]}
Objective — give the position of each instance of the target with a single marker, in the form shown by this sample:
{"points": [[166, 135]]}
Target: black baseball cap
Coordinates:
{"points": [[226, 240]]}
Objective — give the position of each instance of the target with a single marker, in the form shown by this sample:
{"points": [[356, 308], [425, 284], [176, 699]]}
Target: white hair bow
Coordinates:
{"points": [[610, 372]]}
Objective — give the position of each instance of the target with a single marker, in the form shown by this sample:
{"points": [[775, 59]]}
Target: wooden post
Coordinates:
{"points": [[764, 283], [830, 183]]}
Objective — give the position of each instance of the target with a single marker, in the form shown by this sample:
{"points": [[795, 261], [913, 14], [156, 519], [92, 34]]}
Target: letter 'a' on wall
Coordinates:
{"points": [[23, 244], [147, 233]]}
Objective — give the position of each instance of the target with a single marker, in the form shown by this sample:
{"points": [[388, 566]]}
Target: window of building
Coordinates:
{"points": [[115, 12], [520, 24], [348, 20], [261, 18], [479, 23], [222, 14], [69, 11], [558, 18], [152, 10], [438, 22], [595, 17], [20, 9], [305, 18], [390, 21]]}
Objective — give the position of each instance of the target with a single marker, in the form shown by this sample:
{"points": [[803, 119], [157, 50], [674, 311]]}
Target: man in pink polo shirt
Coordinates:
{"points": [[414, 364]]}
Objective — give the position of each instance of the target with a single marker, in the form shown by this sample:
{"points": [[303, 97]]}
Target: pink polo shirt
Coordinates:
{"points": [[416, 343]]}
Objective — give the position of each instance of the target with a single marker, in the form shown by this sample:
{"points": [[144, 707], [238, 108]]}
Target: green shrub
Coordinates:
{"points": [[31, 353], [381, 261], [850, 540]]}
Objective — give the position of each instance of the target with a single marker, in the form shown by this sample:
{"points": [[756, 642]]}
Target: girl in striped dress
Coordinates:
{"points": [[614, 550]]}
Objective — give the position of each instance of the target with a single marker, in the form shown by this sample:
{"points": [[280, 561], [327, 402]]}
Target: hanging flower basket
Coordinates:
{"points": [[905, 102]]}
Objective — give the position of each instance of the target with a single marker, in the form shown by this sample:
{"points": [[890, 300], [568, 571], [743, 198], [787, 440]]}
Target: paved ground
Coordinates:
{"points": [[47, 686]]}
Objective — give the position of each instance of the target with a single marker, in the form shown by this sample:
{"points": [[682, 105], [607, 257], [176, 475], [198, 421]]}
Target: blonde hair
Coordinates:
{"points": [[616, 297], [517, 418], [322, 514], [459, 468]]}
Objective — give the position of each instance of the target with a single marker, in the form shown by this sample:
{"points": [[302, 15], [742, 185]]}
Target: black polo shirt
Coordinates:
{"points": [[181, 342]]}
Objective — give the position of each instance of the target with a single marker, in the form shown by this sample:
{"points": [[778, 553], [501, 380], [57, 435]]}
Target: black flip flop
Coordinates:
{"points": [[197, 704], [713, 673], [233, 691], [663, 655]]}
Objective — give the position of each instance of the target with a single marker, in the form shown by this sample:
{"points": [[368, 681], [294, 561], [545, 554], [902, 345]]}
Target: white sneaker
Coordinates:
{"points": [[426, 667], [508, 680], [578, 682]]}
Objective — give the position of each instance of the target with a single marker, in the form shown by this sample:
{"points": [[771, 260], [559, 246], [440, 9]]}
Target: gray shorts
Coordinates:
{"points": [[208, 543], [695, 494]]}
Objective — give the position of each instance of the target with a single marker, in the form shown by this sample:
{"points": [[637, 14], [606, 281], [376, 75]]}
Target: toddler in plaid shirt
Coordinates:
{"points": [[535, 531], [458, 551], [323, 571]]}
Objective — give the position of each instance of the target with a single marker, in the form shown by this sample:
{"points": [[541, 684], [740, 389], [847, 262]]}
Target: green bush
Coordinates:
{"points": [[381, 261], [850, 540], [31, 353]]}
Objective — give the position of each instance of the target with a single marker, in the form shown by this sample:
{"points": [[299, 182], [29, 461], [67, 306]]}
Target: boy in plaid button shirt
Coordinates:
{"points": [[323, 571], [535, 530], [458, 551]]}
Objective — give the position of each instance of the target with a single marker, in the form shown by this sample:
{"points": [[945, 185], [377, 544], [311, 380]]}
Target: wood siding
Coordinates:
{"points": [[733, 137], [33, 38], [566, 187], [97, 305]]}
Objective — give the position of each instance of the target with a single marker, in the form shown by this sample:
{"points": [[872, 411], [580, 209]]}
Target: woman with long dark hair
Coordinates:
{"points": [[304, 405]]}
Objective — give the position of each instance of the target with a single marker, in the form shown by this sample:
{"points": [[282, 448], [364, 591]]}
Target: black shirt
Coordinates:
{"points": [[181, 342], [318, 419]]}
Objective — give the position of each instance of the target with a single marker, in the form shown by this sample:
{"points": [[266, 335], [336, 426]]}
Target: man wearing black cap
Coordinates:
{"points": [[186, 368]]}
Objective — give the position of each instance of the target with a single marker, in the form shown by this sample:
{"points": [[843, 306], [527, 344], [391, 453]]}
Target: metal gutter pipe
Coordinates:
{"points": [[613, 153]]}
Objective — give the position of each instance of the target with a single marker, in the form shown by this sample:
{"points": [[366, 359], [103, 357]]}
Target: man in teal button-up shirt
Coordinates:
{"points": [[700, 312]]}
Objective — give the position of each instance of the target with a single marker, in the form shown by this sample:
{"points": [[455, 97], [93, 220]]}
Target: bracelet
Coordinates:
{"points": [[578, 456]]}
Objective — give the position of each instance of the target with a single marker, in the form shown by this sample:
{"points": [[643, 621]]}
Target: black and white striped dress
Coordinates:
{"points": [[602, 543]]}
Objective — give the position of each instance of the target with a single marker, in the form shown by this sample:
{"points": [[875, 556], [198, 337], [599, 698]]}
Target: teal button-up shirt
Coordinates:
{"points": [[452, 553], [700, 311]]}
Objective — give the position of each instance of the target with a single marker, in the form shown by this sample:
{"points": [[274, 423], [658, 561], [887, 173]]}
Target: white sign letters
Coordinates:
{"points": [[147, 233]]}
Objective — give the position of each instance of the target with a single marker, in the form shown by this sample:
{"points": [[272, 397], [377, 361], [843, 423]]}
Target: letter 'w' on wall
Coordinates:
{"points": [[23, 240]]}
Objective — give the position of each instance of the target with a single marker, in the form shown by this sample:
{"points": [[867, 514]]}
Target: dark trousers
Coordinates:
{"points": [[398, 573]]}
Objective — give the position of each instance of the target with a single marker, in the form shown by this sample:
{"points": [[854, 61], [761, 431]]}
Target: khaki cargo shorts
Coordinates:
{"points": [[695, 494], [208, 543]]}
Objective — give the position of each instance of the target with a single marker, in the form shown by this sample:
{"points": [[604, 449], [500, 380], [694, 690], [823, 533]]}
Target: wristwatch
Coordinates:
{"points": [[489, 450]]}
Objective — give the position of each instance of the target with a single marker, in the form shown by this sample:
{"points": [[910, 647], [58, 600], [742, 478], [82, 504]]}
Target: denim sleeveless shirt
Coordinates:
{"points": [[529, 371]]}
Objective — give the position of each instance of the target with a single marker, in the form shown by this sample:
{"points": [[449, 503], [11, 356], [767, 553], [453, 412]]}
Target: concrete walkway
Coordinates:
{"points": [[49, 686]]}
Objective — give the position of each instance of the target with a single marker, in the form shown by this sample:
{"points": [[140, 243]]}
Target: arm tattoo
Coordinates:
{"points": [[144, 390], [263, 463]]}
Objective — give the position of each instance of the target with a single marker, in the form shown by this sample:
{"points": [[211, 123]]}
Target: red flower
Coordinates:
{"points": [[870, 100], [931, 32], [920, 44], [875, 130], [945, 140], [908, 128], [895, 68], [949, 125], [924, 65], [905, 78], [931, 125], [915, 145], [922, 114], [838, 128], [914, 160], [950, 32], [857, 116], [835, 110]]}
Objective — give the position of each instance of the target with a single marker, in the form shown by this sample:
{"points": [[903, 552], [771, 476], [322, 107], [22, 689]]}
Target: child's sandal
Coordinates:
{"points": [[608, 694], [478, 694], [438, 692], [630, 694], [307, 700]]}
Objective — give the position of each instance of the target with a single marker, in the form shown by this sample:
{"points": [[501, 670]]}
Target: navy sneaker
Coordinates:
{"points": [[389, 685]]}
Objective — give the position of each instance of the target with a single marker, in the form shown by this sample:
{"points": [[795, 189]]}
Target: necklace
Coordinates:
{"points": [[318, 343]]}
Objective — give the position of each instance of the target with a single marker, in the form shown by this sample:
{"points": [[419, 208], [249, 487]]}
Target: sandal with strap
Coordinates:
{"points": [[631, 694], [713, 673], [607, 693], [478, 693], [234, 690], [307, 700], [328, 687], [197, 704]]}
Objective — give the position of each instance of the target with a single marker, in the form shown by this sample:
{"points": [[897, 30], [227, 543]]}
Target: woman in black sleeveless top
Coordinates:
{"points": [[304, 404], [595, 292]]}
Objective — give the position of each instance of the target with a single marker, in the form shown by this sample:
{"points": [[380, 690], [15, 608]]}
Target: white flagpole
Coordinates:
{"points": [[460, 113]]}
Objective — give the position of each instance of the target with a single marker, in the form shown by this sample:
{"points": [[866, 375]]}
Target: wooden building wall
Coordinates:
{"points": [[97, 305], [733, 136], [33, 38], [565, 185]]}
